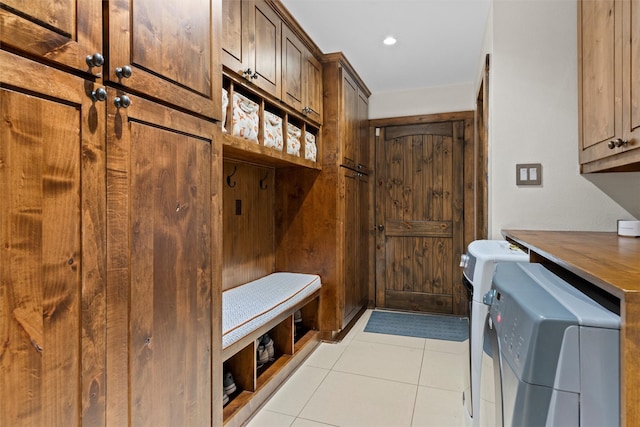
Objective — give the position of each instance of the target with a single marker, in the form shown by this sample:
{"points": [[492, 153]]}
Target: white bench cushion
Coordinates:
{"points": [[247, 307]]}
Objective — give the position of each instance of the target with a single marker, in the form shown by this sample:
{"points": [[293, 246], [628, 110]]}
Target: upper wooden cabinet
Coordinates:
{"points": [[341, 83], [301, 77], [251, 43], [609, 84], [65, 32], [259, 44], [166, 50]]}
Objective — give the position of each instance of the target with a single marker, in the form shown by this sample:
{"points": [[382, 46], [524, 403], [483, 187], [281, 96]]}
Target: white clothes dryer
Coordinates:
{"points": [[478, 268]]}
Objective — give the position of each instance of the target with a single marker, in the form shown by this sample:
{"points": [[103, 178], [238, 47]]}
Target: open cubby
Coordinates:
{"points": [[254, 385], [240, 148]]}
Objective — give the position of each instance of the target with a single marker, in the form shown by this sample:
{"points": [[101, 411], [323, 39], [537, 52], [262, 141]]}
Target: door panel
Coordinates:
{"points": [[267, 38], [419, 202], [235, 40], [62, 31], [159, 200], [52, 262], [169, 47], [599, 105], [293, 61]]}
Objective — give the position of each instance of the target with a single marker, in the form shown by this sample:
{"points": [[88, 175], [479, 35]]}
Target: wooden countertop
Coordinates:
{"points": [[613, 264], [605, 259]]}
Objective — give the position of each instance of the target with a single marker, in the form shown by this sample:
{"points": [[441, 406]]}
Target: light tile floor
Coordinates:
{"points": [[372, 380]]}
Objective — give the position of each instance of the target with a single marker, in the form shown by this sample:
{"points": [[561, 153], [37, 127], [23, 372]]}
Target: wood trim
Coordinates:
{"points": [[396, 228], [294, 26], [426, 118], [344, 62]]}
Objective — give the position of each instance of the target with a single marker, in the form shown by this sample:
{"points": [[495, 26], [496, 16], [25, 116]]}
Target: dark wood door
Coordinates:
{"points": [[161, 264], [419, 215], [53, 258], [169, 48]]}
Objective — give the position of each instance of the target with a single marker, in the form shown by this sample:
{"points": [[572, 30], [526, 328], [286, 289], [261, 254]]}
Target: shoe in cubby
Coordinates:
{"points": [[229, 386], [267, 342]]}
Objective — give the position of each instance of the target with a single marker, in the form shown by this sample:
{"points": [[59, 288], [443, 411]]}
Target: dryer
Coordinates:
{"points": [[478, 267], [553, 351]]}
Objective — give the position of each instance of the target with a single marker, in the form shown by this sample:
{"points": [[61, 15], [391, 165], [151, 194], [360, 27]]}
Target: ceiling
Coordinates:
{"points": [[439, 41]]}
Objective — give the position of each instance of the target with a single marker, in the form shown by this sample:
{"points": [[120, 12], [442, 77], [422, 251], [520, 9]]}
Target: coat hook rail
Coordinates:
{"points": [[229, 183]]}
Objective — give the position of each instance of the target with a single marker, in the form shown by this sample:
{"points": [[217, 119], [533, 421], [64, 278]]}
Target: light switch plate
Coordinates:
{"points": [[529, 174]]}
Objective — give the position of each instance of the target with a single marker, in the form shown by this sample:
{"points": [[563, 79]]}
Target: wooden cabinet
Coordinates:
{"points": [[355, 152], [609, 82], [356, 245], [251, 43], [53, 257], [301, 77], [64, 32], [163, 266], [168, 50], [260, 45], [110, 263], [322, 217]]}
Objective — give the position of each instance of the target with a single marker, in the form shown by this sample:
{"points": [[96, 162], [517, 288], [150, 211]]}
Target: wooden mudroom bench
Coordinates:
{"points": [[266, 306]]}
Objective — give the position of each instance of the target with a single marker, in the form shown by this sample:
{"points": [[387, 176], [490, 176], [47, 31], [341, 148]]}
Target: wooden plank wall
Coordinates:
{"points": [[248, 223]]}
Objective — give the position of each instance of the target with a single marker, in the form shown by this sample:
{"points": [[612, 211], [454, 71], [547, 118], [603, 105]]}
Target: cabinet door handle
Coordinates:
{"points": [[122, 101], [99, 95], [380, 227], [619, 142], [95, 60], [124, 72]]}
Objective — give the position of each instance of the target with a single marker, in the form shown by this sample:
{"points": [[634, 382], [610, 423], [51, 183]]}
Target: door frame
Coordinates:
{"points": [[469, 181]]}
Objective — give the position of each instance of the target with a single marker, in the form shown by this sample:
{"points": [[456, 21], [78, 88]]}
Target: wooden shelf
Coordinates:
{"points": [[251, 151], [254, 384]]}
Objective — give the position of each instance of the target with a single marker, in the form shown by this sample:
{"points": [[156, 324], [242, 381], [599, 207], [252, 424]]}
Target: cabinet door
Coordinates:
{"points": [[62, 31], [160, 339], [267, 33], [172, 49], [236, 42], [364, 148], [349, 115], [294, 55], [351, 233], [312, 88], [363, 255], [53, 259], [631, 73]]}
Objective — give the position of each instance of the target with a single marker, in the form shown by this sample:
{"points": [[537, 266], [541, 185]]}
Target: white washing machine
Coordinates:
{"points": [[554, 353], [479, 265]]}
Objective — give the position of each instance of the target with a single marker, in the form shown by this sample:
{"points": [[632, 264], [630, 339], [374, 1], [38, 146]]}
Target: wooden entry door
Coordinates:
{"points": [[419, 216]]}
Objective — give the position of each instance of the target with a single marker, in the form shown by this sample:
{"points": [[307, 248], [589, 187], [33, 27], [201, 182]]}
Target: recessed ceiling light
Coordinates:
{"points": [[389, 41]]}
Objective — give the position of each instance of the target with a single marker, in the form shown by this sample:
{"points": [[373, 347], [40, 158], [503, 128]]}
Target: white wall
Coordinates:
{"points": [[533, 118], [443, 99]]}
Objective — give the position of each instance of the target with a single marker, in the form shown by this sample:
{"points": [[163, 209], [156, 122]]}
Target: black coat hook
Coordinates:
{"points": [[235, 168], [263, 186]]}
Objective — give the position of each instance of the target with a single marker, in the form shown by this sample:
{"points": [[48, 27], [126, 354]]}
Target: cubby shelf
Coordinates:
{"points": [[255, 150], [250, 151], [255, 385]]}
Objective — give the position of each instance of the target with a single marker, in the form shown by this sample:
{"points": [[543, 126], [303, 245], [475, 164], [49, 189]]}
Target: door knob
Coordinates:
{"points": [[99, 95], [380, 227], [124, 72], [95, 60], [122, 101]]}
